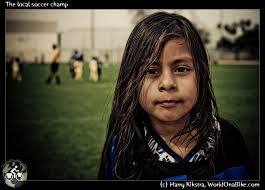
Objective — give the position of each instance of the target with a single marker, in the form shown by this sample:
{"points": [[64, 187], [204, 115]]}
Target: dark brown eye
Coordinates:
{"points": [[152, 71], [182, 69]]}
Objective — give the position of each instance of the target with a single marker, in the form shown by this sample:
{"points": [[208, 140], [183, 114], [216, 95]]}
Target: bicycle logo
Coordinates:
{"points": [[14, 174]]}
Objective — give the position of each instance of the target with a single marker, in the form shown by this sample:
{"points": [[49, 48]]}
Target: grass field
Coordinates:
{"points": [[58, 130]]}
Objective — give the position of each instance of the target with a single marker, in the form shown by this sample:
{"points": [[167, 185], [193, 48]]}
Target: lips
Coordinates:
{"points": [[168, 103]]}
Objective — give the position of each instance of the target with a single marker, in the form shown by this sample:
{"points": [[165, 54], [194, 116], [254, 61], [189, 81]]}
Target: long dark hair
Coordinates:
{"points": [[143, 47]]}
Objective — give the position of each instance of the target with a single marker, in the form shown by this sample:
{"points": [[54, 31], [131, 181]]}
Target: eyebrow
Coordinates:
{"points": [[177, 61], [183, 59]]}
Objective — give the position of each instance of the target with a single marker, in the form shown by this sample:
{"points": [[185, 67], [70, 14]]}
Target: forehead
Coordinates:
{"points": [[176, 47]]}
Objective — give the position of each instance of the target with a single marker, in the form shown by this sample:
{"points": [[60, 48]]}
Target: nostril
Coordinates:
{"points": [[161, 89], [167, 88]]}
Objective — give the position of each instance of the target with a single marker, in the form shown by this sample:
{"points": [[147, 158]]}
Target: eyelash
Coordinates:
{"points": [[183, 68], [152, 71], [155, 71]]}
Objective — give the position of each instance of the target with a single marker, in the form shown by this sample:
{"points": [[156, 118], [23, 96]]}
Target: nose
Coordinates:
{"points": [[167, 82]]}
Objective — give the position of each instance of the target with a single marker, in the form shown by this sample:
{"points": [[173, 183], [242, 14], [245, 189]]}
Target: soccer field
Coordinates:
{"points": [[58, 130]]}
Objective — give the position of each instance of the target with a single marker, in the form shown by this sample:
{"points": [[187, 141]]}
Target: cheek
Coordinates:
{"points": [[190, 90], [194, 92], [145, 94]]}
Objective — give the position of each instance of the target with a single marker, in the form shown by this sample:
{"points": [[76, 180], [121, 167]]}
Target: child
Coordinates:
{"points": [[17, 69], [164, 122], [93, 68], [54, 68], [73, 58], [100, 63]]}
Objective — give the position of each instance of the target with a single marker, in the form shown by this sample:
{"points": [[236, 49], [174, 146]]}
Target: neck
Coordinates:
{"points": [[169, 128]]}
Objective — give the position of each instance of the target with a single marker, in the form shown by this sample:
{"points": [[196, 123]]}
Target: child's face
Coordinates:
{"points": [[169, 89]]}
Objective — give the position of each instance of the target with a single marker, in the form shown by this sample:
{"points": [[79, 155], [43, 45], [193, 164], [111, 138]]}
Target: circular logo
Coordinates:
{"points": [[14, 173]]}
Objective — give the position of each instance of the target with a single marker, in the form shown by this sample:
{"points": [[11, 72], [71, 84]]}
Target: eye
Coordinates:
{"points": [[182, 69], [152, 71]]}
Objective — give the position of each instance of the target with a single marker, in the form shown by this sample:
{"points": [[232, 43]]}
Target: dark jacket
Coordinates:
{"points": [[231, 162]]}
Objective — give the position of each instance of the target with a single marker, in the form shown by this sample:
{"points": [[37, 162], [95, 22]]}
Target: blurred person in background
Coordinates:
{"points": [[93, 69], [73, 58], [100, 64], [14, 68], [78, 67], [54, 67]]}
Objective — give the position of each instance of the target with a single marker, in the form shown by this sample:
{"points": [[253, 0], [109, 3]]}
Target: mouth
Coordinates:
{"points": [[168, 103]]}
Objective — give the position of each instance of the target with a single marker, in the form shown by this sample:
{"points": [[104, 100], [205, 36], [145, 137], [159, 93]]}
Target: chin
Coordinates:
{"points": [[171, 117], [168, 118]]}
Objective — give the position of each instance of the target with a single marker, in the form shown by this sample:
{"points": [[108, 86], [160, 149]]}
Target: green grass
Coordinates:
{"points": [[58, 130]]}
